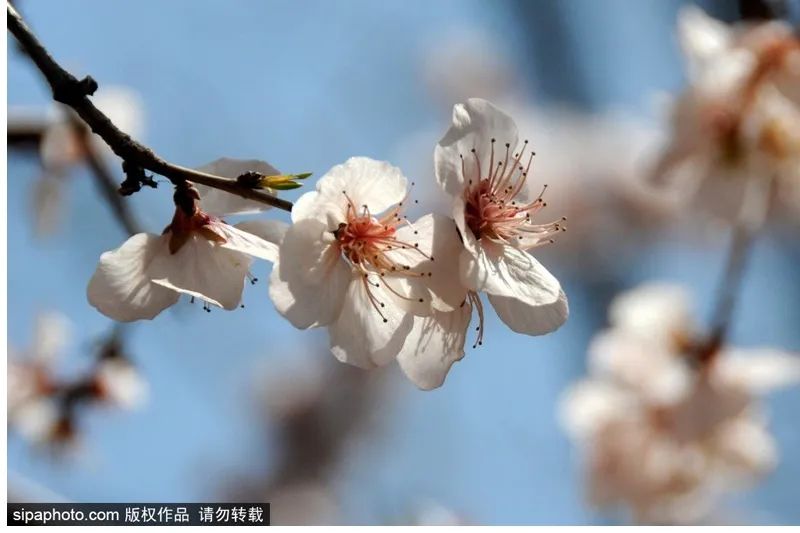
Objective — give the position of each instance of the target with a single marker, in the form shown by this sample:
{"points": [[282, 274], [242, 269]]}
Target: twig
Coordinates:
{"points": [[68, 90], [753, 213]]}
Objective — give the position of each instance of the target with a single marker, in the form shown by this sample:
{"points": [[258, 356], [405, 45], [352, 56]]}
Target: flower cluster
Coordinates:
{"points": [[740, 116], [42, 406], [385, 287], [664, 433]]}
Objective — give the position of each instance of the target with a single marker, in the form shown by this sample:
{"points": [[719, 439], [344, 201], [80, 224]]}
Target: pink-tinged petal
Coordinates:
{"points": [[531, 319], [434, 343], [366, 182], [309, 281], [475, 123], [503, 270], [221, 203], [121, 286], [367, 334], [204, 270]]}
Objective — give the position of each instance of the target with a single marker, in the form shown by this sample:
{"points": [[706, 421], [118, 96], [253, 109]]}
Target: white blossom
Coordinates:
{"points": [[383, 286], [664, 435], [198, 254], [739, 119], [481, 164], [120, 383]]}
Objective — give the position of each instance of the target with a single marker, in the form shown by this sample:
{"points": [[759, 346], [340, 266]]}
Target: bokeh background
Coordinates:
{"points": [[243, 406]]}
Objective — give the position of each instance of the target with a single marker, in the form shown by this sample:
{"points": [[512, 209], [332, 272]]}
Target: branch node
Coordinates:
{"points": [[135, 178], [68, 89], [251, 179]]}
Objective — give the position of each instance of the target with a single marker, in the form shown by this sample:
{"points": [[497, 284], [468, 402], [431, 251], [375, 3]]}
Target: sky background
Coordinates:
{"points": [[305, 85]]}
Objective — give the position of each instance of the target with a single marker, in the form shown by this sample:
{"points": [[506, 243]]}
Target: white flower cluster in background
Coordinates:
{"points": [[739, 118], [664, 435], [42, 404]]}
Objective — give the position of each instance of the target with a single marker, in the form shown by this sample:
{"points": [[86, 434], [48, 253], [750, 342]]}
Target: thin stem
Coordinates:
{"points": [[68, 90], [753, 213]]}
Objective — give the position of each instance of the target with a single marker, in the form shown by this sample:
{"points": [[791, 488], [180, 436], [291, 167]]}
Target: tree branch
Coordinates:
{"points": [[751, 218], [68, 90]]}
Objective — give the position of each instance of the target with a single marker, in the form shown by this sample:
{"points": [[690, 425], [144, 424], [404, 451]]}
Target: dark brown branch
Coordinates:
{"points": [[73, 92]]}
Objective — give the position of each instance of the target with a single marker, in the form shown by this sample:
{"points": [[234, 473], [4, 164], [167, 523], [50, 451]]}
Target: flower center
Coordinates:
{"points": [[492, 209], [367, 243]]}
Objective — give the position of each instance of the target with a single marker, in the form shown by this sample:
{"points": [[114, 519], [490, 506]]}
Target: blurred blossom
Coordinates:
{"points": [[29, 372], [466, 62], [63, 146], [37, 420], [665, 434], [120, 383], [594, 164], [739, 119]]}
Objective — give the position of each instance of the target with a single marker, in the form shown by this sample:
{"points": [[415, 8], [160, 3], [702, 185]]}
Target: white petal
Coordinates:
{"points": [[475, 123], [759, 371], [310, 279], [245, 237], [120, 287], [747, 447], [36, 420], [702, 37], [503, 270], [204, 270], [432, 346], [51, 336], [376, 184], [653, 310], [366, 334], [643, 365], [122, 384], [590, 404], [434, 236], [221, 203], [531, 319]]}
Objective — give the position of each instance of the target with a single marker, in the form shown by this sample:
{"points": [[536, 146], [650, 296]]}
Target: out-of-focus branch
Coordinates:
{"points": [[24, 133], [74, 93], [105, 181], [761, 9], [752, 215], [28, 134]]}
